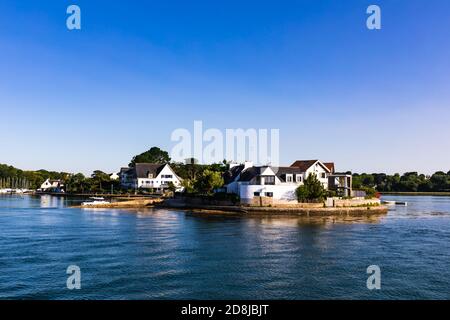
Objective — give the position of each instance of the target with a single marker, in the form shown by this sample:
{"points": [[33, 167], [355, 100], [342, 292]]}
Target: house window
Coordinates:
{"points": [[324, 175], [256, 194], [269, 194], [289, 178], [298, 178], [269, 180]]}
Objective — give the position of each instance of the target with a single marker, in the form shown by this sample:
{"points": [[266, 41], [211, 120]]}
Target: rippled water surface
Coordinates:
{"points": [[163, 254]]}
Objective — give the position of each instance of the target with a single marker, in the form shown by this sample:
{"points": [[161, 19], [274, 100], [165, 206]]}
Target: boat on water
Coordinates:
{"points": [[395, 203], [96, 201]]}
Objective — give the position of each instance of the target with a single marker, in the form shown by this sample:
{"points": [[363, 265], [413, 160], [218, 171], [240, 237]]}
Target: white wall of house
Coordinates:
{"points": [[161, 181], [46, 185], [321, 173], [280, 193]]}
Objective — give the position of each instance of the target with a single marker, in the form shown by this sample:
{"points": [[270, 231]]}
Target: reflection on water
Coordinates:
{"points": [[166, 254]]}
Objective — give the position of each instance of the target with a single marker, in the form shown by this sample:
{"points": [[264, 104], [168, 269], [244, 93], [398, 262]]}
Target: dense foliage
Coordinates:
{"points": [[311, 191], [99, 182], [203, 179], [11, 177], [408, 182], [154, 155]]}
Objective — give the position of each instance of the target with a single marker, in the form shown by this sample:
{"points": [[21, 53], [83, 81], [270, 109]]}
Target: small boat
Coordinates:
{"points": [[94, 203], [394, 203]]}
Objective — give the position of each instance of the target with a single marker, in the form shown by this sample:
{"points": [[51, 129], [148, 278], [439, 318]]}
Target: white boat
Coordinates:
{"points": [[94, 203]]}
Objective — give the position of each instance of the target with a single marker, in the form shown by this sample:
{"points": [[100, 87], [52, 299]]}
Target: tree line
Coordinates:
{"points": [[203, 179], [408, 182]]}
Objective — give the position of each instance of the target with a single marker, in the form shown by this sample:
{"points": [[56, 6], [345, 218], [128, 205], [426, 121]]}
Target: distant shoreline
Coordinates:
{"points": [[431, 193]]}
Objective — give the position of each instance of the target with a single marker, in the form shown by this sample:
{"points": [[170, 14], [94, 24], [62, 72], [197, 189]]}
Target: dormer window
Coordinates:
{"points": [[298, 178], [149, 175], [289, 178]]}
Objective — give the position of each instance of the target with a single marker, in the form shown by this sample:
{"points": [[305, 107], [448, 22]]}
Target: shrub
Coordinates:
{"points": [[311, 191]]}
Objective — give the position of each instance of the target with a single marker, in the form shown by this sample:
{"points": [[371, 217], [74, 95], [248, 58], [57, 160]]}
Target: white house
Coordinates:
{"points": [[278, 183], [52, 186], [152, 176]]}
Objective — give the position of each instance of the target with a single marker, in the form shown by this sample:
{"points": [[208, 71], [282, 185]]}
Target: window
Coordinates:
{"points": [[289, 178], [324, 175], [269, 194], [269, 180], [298, 178], [256, 194]]}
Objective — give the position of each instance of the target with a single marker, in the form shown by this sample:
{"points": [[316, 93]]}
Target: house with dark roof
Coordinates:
{"points": [[50, 185], [152, 176], [278, 183]]}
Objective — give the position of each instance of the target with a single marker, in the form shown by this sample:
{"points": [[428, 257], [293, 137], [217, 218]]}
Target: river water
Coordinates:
{"points": [[165, 254]]}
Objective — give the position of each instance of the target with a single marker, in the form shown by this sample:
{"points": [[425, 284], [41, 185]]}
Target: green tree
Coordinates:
{"points": [[154, 155], [188, 185], [311, 191], [208, 181], [172, 187]]}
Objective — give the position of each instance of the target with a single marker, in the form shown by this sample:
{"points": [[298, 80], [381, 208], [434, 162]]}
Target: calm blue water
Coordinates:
{"points": [[163, 254]]}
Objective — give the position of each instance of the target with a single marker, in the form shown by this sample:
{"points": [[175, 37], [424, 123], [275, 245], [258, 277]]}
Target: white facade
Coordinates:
{"points": [[268, 183], [151, 179], [280, 193], [51, 184], [166, 176], [321, 173]]}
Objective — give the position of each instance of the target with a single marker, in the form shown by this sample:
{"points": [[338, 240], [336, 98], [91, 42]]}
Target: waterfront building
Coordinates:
{"points": [[52, 186], [151, 176], [277, 185]]}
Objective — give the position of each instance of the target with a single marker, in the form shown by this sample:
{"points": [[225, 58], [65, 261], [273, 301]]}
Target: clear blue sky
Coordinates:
{"points": [[90, 99]]}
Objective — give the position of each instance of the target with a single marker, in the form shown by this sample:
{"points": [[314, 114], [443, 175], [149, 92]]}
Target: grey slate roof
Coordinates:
{"points": [[249, 173], [142, 170], [231, 175], [281, 172]]}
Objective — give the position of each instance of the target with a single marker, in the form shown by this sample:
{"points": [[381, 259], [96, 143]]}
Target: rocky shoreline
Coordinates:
{"points": [[238, 209]]}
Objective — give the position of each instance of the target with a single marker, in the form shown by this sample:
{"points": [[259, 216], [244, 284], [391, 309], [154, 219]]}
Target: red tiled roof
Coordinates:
{"points": [[329, 165], [303, 165]]}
